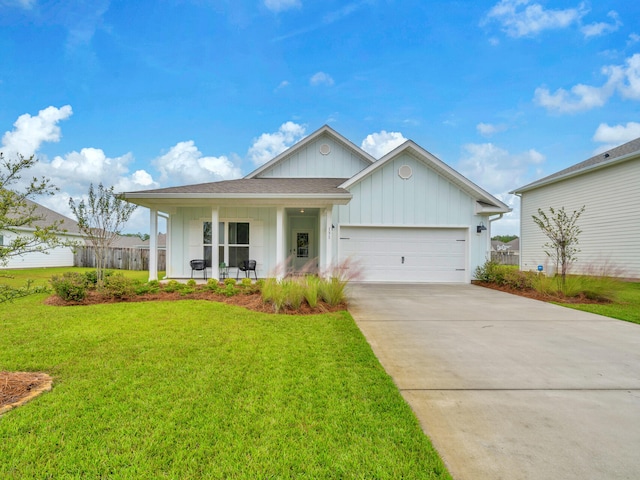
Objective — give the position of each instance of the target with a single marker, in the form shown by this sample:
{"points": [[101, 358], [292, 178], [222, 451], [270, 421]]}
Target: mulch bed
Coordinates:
{"points": [[17, 388], [250, 301], [534, 294]]}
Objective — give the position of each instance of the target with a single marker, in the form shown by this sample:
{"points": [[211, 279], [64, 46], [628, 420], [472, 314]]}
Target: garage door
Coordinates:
{"points": [[406, 254]]}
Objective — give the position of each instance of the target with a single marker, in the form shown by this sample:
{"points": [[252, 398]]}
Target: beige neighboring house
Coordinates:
{"points": [[55, 257], [608, 185]]}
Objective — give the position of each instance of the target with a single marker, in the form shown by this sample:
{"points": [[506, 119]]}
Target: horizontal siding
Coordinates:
{"points": [[308, 162], [610, 223], [55, 257]]}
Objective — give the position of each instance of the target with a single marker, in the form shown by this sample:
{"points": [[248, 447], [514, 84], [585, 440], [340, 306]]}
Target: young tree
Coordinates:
{"points": [[562, 231], [101, 218], [18, 212]]}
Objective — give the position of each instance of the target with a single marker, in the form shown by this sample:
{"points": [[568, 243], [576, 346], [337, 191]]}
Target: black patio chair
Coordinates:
{"points": [[198, 264], [247, 266]]}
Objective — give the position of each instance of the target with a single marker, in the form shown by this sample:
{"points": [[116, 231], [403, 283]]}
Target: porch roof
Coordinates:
{"points": [[271, 191]]}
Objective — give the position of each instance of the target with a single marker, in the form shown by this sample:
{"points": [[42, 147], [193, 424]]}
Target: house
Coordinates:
{"points": [[55, 257], [407, 217], [608, 186]]}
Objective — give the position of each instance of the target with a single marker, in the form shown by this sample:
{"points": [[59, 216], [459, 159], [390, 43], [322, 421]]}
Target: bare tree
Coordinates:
{"points": [[563, 232], [101, 218]]}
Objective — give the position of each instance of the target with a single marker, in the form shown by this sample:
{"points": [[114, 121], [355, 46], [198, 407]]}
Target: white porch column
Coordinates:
{"points": [[153, 244], [329, 241], [280, 265], [215, 241], [167, 249]]}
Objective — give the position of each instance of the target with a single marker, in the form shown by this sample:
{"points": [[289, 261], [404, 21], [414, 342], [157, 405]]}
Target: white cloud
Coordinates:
{"points": [[321, 78], [497, 170], [30, 132], [269, 145], [622, 78], [488, 129], [615, 135], [281, 5], [633, 39], [379, 144], [185, 164], [283, 84], [602, 28], [521, 18]]}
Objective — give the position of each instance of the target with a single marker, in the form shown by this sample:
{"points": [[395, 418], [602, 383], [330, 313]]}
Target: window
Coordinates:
{"points": [[233, 246]]}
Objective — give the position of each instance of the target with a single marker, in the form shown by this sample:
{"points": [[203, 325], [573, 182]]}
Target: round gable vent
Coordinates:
{"points": [[325, 149], [405, 172]]}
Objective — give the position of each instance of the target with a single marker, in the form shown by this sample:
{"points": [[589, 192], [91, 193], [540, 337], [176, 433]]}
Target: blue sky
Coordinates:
{"points": [[150, 94]]}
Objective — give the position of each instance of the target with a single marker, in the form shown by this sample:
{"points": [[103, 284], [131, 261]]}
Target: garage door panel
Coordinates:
{"points": [[406, 254]]}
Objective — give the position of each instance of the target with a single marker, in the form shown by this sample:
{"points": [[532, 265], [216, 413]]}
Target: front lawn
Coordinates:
{"points": [[626, 307], [197, 389]]}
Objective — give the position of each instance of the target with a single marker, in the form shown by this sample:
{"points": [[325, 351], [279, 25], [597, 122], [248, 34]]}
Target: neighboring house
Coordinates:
{"points": [[55, 257], [407, 217], [608, 186]]}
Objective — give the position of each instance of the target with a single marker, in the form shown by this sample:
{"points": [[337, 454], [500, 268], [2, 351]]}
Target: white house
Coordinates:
{"points": [[55, 257], [608, 186], [407, 217]]}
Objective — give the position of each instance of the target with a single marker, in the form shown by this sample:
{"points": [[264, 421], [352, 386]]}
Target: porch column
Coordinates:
{"points": [[280, 265], [153, 244], [215, 241], [167, 248], [328, 256]]}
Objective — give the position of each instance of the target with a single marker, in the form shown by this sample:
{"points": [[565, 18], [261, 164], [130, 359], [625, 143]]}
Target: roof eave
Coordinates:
{"points": [[575, 173]]}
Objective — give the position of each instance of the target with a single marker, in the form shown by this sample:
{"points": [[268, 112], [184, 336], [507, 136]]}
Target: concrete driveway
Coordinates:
{"points": [[507, 387]]}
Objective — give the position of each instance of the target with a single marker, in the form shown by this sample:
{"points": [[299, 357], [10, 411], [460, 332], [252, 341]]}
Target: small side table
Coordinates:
{"points": [[224, 271]]}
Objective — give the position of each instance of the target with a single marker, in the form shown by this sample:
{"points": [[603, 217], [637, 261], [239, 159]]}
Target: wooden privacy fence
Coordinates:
{"points": [[119, 258], [505, 259]]}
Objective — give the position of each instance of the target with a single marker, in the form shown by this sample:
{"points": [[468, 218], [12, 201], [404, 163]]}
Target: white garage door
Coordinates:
{"points": [[406, 254]]}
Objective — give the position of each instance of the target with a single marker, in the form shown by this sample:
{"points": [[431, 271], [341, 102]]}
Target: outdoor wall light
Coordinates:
{"points": [[480, 228]]}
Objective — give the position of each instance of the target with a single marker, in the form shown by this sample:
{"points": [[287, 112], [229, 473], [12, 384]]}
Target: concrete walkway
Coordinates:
{"points": [[507, 387]]}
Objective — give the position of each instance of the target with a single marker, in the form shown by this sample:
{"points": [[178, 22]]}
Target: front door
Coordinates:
{"points": [[302, 251]]}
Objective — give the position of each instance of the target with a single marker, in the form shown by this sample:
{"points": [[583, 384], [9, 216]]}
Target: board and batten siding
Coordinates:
{"points": [[308, 162], [426, 200], [610, 223], [186, 235]]}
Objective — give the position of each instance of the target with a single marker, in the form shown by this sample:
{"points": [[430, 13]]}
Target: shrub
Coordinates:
{"points": [[230, 281], [230, 289], [191, 283], [147, 287], [92, 276], [173, 286], [119, 286], [212, 284], [492, 272], [246, 282], [70, 286], [519, 279]]}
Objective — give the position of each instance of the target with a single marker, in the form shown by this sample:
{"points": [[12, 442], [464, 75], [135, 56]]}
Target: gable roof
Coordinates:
{"points": [[48, 216], [325, 130], [254, 189], [622, 153], [487, 203]]}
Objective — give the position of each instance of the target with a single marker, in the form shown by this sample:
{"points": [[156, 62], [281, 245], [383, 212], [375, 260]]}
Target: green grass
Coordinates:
{"points": [[196, 389], [626, 307]]}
